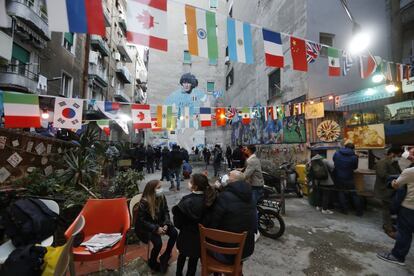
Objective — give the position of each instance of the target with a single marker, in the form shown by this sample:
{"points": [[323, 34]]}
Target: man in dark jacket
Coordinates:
{"points": [[150, 159], [238, 158], [157, 157], [217, 158], [346, 162], [386, 167], [234, 211], [139, 157], [165, 160], [176, 162]]}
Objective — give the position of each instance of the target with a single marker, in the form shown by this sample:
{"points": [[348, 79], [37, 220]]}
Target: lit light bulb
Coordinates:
{"points": [[359, 42], [45, 115], [377, 78], [391, 88], [370, 92], [222, 116], [311, 102], [331, 97]]}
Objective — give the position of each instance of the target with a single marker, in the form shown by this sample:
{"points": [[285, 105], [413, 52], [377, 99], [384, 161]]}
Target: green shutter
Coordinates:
{"points": [[210, 86], [187, 57], [69, 38], [20, 54]]}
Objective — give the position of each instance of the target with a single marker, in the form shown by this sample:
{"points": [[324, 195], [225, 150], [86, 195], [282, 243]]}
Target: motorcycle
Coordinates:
{"points": [[288, 180]]}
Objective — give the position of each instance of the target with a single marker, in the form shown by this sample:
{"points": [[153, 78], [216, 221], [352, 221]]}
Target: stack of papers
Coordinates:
{"points": [[101, 241]]}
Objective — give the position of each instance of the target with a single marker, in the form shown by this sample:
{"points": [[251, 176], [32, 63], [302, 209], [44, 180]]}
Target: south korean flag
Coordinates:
{"points": [[68, 113]]}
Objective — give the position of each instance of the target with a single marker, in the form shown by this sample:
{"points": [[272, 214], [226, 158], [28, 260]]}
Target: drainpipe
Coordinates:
{"points": [[86, 67]]}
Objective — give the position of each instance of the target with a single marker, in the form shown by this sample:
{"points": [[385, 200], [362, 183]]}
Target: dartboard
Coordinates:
{"points": [[328, 131]]}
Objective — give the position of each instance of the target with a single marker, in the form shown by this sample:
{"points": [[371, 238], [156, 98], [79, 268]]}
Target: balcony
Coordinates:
{"points": [[100, 45], [98, 74], [123, 50], [407, 12], [107, 17], [123, 73], [18, 78], [122, 22], [121, 96], [33, 14]]}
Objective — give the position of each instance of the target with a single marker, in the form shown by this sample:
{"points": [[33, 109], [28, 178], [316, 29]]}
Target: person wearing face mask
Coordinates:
{"points": [[386, 167], [153, 222], [188, 213], [405, 216]]}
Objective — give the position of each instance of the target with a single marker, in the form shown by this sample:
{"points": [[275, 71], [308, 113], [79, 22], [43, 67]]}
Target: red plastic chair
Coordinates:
{"points": [[103, 216]]}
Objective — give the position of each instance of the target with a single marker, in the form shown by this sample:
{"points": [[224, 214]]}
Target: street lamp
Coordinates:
{"points": [[360, 38]]}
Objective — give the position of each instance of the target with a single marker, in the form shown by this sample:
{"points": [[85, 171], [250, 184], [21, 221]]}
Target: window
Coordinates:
{"points": [[69, 42], [67, 85], [326, 39], [229, 79], [213, 4], [29, 3], [187, 57], [210, 86], [20, 58], [274, 84]]}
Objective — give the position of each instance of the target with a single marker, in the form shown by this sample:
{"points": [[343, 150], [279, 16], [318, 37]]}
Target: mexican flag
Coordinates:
{"points": [[334, 65], [104, 125], [21, 110]]}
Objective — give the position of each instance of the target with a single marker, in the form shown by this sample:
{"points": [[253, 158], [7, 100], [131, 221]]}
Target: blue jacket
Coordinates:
{"points": [[346, 162]]}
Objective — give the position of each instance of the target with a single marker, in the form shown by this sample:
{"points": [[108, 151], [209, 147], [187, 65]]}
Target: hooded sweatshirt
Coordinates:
{"points": [[345, 162], [329, 166]]}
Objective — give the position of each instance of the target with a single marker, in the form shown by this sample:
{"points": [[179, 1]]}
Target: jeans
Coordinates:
{"points": [[323, 196], [405, 230], [257, 194], [175, 172], [191, 266], [165, 174], [150, 167], [157, 243], [386, 215], [347, 189], [216, 168]]}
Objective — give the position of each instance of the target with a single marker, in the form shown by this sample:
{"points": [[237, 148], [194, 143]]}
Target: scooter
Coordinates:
{"points": [[287, 180]]}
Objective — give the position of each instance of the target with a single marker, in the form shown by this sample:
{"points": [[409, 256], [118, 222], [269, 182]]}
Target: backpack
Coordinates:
{"points": [[319, 170], [24, 261], [29, 221]]}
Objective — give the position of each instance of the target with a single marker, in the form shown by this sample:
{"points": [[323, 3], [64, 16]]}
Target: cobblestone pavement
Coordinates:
{"points": [[313, 244]]}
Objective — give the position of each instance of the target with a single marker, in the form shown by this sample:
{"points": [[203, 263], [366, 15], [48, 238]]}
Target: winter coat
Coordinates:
{"points": [[145, 225], [329, 166], [218, 156], [165, 158], [237, 155], [253, 171], [139, 155], [234, 211], [176, 159], [228, 153], [150, 155], [345, 162], [187, 214], [385, 167]]}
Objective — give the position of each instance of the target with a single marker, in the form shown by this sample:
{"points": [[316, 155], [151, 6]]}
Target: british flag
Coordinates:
{"points": [[312, 51]]}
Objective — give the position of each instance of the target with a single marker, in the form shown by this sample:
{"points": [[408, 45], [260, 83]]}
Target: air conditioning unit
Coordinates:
{"points": [[117, 56]]}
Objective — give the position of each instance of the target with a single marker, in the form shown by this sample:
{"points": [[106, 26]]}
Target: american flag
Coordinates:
{"points": [[348, 62], [312, 51]]}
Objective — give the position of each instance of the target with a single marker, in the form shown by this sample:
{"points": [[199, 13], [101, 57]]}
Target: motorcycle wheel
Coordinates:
{"points": [[271, 224]]}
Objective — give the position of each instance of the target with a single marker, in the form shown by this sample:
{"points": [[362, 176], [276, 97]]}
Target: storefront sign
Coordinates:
{"points": [[314, 111], [408, 85], [362, 96], [399, 111]]}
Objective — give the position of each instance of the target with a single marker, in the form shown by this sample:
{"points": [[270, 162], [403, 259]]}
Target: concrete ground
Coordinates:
{"points": [[313, 244]]}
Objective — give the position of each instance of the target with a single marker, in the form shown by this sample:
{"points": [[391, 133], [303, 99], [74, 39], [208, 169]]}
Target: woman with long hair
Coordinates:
{"points": [[188, 213], [153, 221]]}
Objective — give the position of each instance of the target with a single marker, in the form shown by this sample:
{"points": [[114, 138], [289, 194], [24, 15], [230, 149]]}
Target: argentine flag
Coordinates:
{"points": [[239, 37]]}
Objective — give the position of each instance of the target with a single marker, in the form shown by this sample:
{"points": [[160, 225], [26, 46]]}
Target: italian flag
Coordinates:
{"points": [[104, 125], [245, 114], [21, 110], [201, 32], [334, 65]]}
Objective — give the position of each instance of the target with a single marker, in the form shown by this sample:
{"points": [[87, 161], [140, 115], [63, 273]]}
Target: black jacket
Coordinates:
{"points": [[234, 211], [187, 214], [165, 158], [176, 159], [145, 224]]}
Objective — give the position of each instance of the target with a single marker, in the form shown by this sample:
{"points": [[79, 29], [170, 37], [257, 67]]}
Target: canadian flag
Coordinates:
{"points": [[155, 125], [147, 23], [141, 116]]}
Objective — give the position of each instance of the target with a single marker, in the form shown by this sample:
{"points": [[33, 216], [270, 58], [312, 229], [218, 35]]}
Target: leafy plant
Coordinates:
{"points": [[126, 183]]}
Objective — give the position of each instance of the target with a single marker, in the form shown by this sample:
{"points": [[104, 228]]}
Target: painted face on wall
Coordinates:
{"points": [[187, 87]]}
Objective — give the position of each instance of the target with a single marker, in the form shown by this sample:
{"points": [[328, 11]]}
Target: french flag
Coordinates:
{"points": [[205, 116], [273, 49], [76, 16], [111, 106]]}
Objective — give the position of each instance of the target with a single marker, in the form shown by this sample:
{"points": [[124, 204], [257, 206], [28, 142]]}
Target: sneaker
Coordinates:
{"points": [[327, 212], [256, 236], [388, 257], [172, 188], [318, 208]]}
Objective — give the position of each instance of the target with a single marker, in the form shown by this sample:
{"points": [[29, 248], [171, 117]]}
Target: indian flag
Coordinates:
{"points": [[201, 32], [104, 125], [21, 110], [161, 116]]}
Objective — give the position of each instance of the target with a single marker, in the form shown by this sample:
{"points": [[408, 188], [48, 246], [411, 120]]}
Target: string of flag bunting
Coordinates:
{"points": [[147, 25], [23, 111]]}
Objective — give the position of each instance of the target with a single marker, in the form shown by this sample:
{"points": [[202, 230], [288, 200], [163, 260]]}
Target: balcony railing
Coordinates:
{"points": [[19, 76], [99, 74], [32, 13], [98, 43], [121, 96], [123, 50], [123, 72]]}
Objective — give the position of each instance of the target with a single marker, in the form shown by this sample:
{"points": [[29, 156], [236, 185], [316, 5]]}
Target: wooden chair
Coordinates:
{"points": [[66, 258], [210, 264]]}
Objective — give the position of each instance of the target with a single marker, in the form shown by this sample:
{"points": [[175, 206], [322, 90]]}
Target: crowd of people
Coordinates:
{"points": [[228, 205], [393, 188]]}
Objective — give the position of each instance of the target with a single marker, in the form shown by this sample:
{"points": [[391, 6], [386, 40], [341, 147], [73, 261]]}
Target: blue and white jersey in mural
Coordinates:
{"points": [[181, 99]]}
